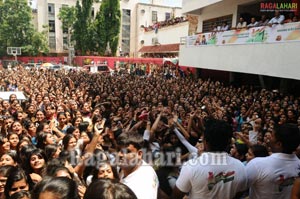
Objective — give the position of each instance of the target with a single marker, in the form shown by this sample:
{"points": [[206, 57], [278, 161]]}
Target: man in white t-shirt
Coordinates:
{"points": [[214, 174], [277, 19], [139, 176], [273, 176]]}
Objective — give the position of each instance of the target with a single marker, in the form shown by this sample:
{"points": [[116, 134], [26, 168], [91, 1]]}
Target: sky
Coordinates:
{"points": [[175, 3]]}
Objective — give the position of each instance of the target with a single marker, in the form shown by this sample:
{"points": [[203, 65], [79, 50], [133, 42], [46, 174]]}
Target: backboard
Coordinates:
{"points": [[14, 51]]}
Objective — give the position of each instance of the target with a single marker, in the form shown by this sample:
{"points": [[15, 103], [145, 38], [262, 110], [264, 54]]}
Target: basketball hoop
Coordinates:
{"points": [[14, 51]]}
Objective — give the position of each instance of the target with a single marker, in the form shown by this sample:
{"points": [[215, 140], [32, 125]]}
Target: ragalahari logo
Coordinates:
{"points": [[282, 7]]}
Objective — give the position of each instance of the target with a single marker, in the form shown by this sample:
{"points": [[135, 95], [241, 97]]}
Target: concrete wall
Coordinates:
{"points": [[194, 5], [279, 60], [225, 7], [145, 18], [137, 18], [163, 35]]}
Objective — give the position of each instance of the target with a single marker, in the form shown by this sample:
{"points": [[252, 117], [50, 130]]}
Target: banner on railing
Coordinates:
{"points": [[284, 33], [265, 34], [202, 39], [233, 37]]}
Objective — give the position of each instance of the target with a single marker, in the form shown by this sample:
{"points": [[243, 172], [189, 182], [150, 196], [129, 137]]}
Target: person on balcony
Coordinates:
{"points": [[289, 18], [253, 23], [263, 21], [241, 24], [225, 26], [277, 19], [295, 19]]}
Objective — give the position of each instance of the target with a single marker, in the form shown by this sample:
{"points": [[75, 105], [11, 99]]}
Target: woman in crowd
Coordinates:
{"points": [[4, 144], [56, 188], [107, 189], [4, 173], [17, 181], [13, 139], [9, 158]]}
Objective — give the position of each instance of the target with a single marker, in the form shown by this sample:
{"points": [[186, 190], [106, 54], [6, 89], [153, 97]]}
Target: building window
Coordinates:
{"points": [[51, 26], [208, 25], [50, 8], [154, 16], [93, 13], [52, 42], [65, 43], [125, 16], [168, 16]]}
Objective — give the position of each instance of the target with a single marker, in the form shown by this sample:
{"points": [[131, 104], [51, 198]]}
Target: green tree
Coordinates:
{"points": [[82, 26], [16, 29], [39, 43], [107, 26], [67, 15]]}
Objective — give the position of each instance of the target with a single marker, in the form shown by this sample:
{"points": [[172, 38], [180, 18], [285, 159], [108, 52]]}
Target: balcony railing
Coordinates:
{"points": [[277, 34]]}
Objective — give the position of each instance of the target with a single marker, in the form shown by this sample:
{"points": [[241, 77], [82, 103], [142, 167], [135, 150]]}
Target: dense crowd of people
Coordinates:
{"points": [[145, 135]]}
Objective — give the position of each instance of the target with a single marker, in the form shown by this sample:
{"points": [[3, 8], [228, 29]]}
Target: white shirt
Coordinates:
{"points": [[143, 182], [278, 20], [272, 176], [253, 137], [241, 25], [212, 175]]}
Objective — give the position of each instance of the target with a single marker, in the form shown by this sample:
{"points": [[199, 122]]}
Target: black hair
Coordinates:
{"points": [[41, 138], [70, 130], [66, 140], [24, 153], [98, 156], [125, 139], [20, 195], [55, 169], [16, 175], [99, 165], [50, 150], [61, 187], [6, 169], [52, 165], [108, 189], [12, 154], [259, 150], [83, 126], [289, 136], [38, 152], [217, 134], [242, 149], [41, 127], [2, 137]]}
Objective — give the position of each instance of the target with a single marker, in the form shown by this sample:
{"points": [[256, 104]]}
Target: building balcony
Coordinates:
{"points": [[262, 50], [195, 6]]}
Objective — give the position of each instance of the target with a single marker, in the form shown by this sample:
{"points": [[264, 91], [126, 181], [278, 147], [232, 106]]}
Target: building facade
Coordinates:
{"points": [[277, 58], [134, 15]]}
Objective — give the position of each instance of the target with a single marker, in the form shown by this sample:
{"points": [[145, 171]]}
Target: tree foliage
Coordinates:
{"points": [[107, 25], [82, 26], [67, 15], [16, 28], [93, 35]]}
